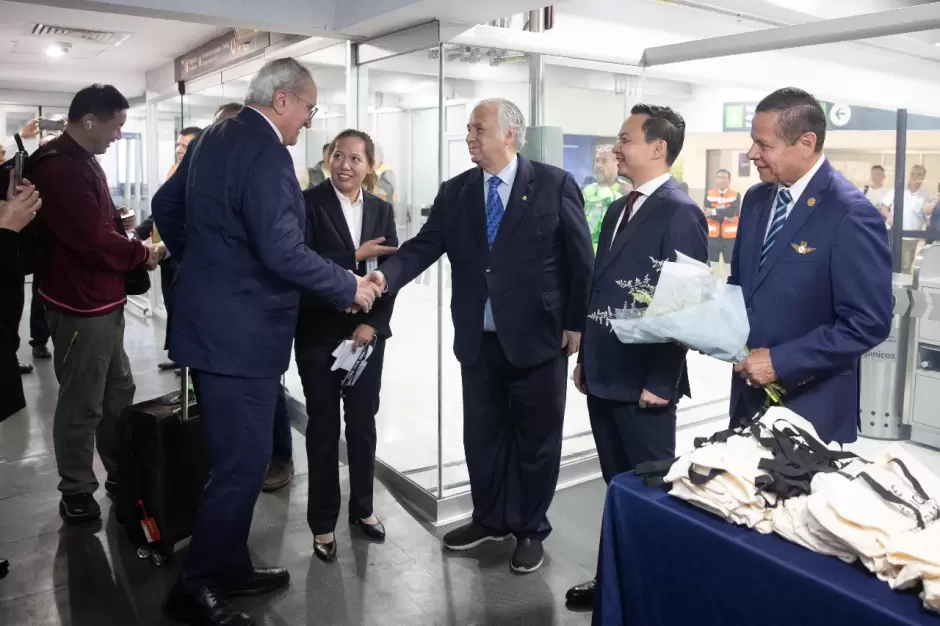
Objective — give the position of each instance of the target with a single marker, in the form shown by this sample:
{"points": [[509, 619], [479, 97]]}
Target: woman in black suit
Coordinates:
{"points": [[15, 214], [354, 229]]}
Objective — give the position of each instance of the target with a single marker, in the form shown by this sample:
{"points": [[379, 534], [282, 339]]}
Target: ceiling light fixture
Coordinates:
{"points": [[55, 50]]}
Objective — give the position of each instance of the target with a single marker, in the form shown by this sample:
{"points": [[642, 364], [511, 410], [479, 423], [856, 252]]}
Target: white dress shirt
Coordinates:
{"points": [[352, 211], [280, 137], [796, 190], [645, 190], [507, 177]]}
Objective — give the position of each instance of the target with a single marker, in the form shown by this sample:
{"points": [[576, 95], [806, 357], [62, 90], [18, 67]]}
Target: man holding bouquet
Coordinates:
{"points": [[633, 389], [813, 263]]}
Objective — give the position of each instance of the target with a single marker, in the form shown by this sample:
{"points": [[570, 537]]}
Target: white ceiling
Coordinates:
{"points": [[152, 42]]}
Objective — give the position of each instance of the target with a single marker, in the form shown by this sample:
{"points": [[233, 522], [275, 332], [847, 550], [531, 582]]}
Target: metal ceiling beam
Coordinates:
{"points": [[881, 24]]}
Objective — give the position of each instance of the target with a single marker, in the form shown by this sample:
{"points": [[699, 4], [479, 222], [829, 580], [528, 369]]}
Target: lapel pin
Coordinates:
{"points": [[802, 247], [524, 198], [811, 202]]}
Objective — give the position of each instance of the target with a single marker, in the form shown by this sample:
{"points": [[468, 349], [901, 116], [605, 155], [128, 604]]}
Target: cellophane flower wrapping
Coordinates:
{"points": [[690, 306]]}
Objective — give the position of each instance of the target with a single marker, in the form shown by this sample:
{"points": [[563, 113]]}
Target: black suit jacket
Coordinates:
{"points": [[327, 234], [537, 274], [666, 222]]}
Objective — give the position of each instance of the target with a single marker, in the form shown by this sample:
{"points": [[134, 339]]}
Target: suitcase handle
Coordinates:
{"points": [[183, 411]]}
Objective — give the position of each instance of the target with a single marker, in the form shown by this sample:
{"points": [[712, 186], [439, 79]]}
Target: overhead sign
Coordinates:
{"points": [[220, 53], [839, 116]]}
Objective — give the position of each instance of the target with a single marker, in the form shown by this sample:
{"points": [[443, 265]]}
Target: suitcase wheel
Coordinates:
{"points": [[144, 553], [157, 559]]}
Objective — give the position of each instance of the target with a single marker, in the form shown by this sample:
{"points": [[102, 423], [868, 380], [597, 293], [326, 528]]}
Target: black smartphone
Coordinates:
{"points": [[19, 160], [47, 125]]}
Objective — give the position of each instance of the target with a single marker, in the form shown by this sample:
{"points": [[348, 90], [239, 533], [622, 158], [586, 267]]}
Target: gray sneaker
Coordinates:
{"points": [[279, 475]]}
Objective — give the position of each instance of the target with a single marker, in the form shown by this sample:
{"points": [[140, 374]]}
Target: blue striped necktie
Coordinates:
{"points": [[494, 210], [776, 223]]}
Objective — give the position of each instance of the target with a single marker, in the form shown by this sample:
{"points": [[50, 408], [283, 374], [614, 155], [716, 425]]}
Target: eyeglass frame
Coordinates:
{"points": [[312, 110]]}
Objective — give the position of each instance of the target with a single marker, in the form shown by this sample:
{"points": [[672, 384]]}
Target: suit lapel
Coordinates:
{"points": [[650, 206], [477, 212], [335, 212], [370, 211], [798, 216], [518, 203], [754, 239]]}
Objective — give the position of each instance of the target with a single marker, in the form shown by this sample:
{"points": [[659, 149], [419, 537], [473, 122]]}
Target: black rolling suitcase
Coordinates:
{"points": [[162, 468]]}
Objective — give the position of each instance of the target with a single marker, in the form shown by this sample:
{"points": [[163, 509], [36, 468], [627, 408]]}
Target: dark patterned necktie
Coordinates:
{"points": [[632, 197]]}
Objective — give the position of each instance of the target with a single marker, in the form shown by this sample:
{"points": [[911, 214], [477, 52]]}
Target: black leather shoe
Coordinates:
{"points": [[4, 567], [167, 365], [203, 607], [581, 595], [326, 552], [41, 352], [79, 507], [262, 580], [528, 556], [374, 531], [26, 368], [111, 486]]}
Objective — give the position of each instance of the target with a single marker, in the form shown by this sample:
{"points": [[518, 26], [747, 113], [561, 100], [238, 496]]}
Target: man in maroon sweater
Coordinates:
{"points": [[84, 295]]}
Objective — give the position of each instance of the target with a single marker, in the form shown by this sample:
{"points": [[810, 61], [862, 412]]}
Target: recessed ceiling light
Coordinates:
{"points": [[55, 50]]}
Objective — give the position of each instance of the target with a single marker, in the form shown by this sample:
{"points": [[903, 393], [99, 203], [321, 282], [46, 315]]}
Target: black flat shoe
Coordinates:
{"points": [[581, 595], [374, 531], [326, 552], [262, 580], [80, 507], [26, 368], [205, 607]]}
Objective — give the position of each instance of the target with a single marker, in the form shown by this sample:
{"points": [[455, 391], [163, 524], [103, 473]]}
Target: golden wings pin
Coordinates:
{"points": [[802, 248]]}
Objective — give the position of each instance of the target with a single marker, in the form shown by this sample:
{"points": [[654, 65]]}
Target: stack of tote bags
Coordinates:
{"points": [[777, 476]]}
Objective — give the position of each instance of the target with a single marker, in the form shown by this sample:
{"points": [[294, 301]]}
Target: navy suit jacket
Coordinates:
{"points": [[233, 215], [822, 299], [536, 275], [327, 234], [666, 222]]}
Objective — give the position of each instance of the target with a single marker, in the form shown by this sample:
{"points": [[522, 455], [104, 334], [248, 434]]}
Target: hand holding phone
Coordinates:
{"points": [[19, 162]]}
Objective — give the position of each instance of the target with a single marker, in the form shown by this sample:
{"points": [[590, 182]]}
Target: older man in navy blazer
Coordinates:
{"points": [[812, 259], [521, 255], [235, 207], [632, 390]]}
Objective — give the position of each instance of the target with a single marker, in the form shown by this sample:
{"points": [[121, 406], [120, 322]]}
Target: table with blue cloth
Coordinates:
{"points": [[664, 562]]}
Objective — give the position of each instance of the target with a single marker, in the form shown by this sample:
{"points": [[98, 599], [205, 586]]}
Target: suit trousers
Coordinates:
{"points": [[512, 429], [282, 448], [324, 395], [627, 435], [39, 332], [238, 415], [95, 385]]}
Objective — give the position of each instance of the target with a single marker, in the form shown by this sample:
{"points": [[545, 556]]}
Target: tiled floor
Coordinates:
{"points": [[90, 576]]}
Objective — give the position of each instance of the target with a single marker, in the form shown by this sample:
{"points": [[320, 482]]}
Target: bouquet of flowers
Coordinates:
{"points": [[690, 306]]}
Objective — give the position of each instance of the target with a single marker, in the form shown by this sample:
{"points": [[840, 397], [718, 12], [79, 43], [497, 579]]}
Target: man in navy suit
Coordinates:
{"points": [[521, 255], [632, 390], [233, 214], [812, 259]]}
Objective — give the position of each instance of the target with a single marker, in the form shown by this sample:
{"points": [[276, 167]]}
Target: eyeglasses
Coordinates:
{"points": [[311, 108]]}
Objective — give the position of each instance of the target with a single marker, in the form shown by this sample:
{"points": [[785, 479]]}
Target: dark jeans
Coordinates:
{"points": [[95, 385], [282, 448], [323, 393]]}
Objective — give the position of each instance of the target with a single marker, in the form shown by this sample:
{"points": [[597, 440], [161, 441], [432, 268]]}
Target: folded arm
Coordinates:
{"points": [[861, 283]]}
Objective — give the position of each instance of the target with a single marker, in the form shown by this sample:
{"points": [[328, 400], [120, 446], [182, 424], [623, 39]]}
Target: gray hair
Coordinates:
{"points": [[510, 118], [278, 75]]}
